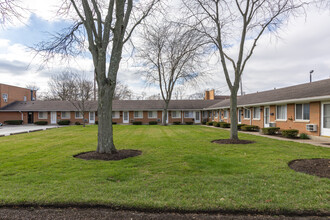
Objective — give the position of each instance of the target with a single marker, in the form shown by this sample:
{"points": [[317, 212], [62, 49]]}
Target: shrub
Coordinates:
{"points": [[41, 123], [77, 123], [137, 122], [114, 123], [290, 133], [303, 136], [210, 123], [216, 124], [249, 128], [204, 122], [63, 122], [14, 122], [153, 122], [189, 123], [96, 122], [224, 125], [270, 131], [177, 122], [239, 126]]}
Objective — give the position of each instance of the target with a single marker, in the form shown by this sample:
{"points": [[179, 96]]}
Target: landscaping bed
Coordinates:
{"points": [[120, 155], [318, 167]]}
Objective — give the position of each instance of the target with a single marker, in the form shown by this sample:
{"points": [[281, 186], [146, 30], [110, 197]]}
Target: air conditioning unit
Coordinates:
{"points": [[311, 127], [272, 124]]}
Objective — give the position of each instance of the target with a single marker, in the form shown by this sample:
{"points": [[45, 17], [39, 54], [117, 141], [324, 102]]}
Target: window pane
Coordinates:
{"points": [[256, 112], [326, 116], [306, 111], [299, 112]]}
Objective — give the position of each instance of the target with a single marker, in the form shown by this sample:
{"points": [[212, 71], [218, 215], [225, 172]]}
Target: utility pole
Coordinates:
{"points": [[94, 84], [241, 85]]}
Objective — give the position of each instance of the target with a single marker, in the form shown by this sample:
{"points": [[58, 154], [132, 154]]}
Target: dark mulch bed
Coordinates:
{"points": [[230, 141], [317, 167], [120, 155]]}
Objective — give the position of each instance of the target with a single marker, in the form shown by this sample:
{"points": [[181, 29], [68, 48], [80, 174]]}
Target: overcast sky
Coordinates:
{"points": [[304, 45]]}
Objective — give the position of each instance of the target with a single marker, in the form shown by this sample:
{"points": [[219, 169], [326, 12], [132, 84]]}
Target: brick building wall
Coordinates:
{"points": [[14, 94]]}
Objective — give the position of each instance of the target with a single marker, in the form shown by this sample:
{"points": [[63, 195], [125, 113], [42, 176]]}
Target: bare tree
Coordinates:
{"points": [[10, 10], [63, 86], [172, 55], [154, 97], [234, 27], [122, 92], [83, 94], [106, 25]]}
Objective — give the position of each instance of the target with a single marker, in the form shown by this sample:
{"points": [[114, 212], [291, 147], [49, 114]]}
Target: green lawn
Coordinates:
{"points": [[179, 169]]}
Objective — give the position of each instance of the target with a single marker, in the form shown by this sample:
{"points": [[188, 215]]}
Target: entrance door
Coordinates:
{"points": [[239, 116], [125, 117], [30, 118], [266, 117], [197, 117], [91, 117], [53, 118], [325, 119]]}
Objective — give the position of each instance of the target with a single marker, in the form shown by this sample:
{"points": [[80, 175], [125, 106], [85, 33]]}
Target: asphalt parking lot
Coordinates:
{"points": [[7, 130]]}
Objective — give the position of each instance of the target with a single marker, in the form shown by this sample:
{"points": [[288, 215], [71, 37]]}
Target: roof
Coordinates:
{"points": [[303, 91], [118, 105]]}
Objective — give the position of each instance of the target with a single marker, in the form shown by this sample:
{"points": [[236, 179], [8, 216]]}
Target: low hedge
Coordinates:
{"points": [[153, 122], [41, 123], [303, 136], [14, 122], [189, 123], [210, 123], [97, 122], [216, 124], [250, 128], [204, 122], [290, 133], [239, 126], [177, 122], [77, 123], [224, 125], [63, 122], [270, 131], [137, 122]]}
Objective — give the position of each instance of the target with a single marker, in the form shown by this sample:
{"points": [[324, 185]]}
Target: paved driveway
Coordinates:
{"points": [[18, 129]]}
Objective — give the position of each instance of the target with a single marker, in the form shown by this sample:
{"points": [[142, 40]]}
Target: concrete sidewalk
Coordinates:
{"points": [[315, 140], [7, 130]]}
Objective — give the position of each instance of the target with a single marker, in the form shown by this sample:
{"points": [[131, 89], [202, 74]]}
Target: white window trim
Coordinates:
{"points": [[152, 114], [64, 117], [286, 113], [116, 116], [249, 114], [189, 116], [176, 112], [224, 115], [302, 112], [5, 99], [42, 118], [75, 116], [138, 117], [252, 115]]}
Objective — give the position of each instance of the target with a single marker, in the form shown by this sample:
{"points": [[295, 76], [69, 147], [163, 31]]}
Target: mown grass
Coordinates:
{"points": [[179, 169]]}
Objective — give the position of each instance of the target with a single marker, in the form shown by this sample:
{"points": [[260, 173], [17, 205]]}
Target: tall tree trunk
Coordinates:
{"points": [[165, 114], [233, 114], [105, 129]]}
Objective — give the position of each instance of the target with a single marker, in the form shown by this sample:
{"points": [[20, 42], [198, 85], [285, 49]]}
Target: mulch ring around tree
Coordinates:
{"points": [[317, 167], [231, 141], [120, 155]]}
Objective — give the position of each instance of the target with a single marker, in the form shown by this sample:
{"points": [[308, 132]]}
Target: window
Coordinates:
{"points": [[225, 114], [216, 114], [138, 114], [79, 115], [204, 114], [65, 115], [5, 97], [176, 114], [25, 98], [256, 112], [302, 111], [247, 113], [42, 115], [281, 112], [115, 114], [152, 114], [189, 114]]}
